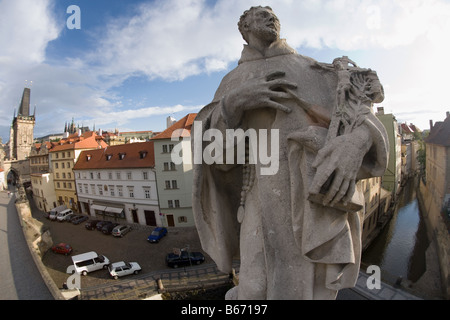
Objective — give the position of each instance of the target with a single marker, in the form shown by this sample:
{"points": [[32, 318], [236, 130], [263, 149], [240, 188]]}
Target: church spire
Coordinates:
{"points": [[24, 108]]}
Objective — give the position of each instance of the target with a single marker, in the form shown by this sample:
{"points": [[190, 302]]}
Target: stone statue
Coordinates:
{"points": [[297, 230]]}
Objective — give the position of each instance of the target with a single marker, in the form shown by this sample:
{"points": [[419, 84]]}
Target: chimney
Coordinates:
{"points": [[447, 115], [431, 124], [380, 110]]}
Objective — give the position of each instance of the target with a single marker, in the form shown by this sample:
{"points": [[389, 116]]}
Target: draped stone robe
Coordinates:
{"points": [[289, 247]]}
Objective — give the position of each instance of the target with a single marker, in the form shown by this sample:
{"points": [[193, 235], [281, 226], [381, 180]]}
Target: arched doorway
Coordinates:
{"points": [[12, 178]]}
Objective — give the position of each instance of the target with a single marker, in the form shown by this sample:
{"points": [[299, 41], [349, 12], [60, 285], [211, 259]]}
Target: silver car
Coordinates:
{"points": [[122, 268], [120, 230]]}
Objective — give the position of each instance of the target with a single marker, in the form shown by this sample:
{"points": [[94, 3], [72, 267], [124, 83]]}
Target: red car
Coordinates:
{"points": [[62, 248]]}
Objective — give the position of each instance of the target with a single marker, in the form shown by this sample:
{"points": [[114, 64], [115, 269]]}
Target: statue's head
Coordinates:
{"points": [[261, 22]]}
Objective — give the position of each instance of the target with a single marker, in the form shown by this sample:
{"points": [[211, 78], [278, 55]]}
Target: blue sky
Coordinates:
{"points": [[133, 63]]}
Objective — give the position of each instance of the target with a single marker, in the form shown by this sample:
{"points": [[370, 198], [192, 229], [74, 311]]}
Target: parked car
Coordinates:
{"points": [[89, 261], [122, 268], [91, 224], [62, 248], [79, 218], [101, 224], [184, 259], [120, 230], [157, 234], [53, 212], [107, 228], [64, 215]]}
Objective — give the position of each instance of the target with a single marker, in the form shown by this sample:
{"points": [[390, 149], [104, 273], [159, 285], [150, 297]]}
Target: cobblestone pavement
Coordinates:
{"points": [[132, 247]]}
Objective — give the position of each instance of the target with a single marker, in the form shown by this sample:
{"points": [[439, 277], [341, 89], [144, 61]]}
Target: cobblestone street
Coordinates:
{"points": [[132, 247]]}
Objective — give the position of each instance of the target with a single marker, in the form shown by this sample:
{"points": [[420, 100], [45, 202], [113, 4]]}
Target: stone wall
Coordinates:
{"points": [[437, 230]]}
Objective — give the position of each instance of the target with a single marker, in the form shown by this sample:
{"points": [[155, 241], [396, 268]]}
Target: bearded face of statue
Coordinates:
{"points": [[264, 25]]}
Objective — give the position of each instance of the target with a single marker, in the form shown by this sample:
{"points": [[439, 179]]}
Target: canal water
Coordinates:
{"points": [[399, 250]]}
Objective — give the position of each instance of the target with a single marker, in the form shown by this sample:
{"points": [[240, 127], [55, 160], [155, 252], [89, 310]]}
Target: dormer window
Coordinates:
{"points": [[121, 156], [142, 154], [108, 157], [88, 157]]}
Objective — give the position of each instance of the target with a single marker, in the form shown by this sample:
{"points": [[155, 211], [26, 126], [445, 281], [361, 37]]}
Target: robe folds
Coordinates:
{"points": [[289, 247]]}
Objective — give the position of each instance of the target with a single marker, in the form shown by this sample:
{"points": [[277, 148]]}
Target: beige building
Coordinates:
{"points": [[41, 178], [435, 195], [63, 156], [175, 179]]}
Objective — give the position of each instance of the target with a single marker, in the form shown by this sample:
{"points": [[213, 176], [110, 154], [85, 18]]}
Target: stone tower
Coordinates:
{"points": [[21, 135]]}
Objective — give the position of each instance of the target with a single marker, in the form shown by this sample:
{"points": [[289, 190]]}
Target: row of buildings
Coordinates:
{"points": [[130, 183], [95, 173]]}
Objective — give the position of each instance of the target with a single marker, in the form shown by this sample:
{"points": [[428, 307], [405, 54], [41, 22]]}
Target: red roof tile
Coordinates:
{"points": [[133, 157], [182, 128]]}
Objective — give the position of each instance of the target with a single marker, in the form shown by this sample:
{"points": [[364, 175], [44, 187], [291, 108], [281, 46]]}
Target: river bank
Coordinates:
{"points": [[404, 252]]}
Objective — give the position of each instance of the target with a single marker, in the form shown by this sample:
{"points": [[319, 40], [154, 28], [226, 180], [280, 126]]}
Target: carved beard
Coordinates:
{"points": [[266, 33]]}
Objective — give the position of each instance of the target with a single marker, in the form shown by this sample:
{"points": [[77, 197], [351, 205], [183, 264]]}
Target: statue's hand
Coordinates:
{"points": [[263, 92], [341, 157]]}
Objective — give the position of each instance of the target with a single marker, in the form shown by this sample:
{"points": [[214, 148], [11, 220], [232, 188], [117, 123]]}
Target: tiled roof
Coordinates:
{"points": [[88, 140], [135, 155], [440, 133], [182, 128]]}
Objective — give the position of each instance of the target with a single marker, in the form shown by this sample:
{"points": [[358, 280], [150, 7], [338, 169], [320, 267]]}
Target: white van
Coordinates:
{"points": [[64, 215], [54, 212], [88, 262]]}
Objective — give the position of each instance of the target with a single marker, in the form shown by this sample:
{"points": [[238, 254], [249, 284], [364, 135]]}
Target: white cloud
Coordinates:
{"points": [[175, 39], [27, 27], [125, 116]]}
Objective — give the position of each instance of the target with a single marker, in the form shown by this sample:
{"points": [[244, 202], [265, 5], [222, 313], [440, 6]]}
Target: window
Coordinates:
{"points": [[68, 154], [142, 154], [68, 164], [170, 147], [69, 185], [170, 203], [129, 175], [108, 157], [174, 184], [177, 203], [58, 185], [69, 175], [166, 166], [122, 156], [145, 175], [62, 165], [56, 155], [167, 184], [182, 219], [164, 148], [93, 188], [118, 175], [147, 193], [56, 165], [86, 190], [92, 175], [100, 190], [111, 190], [64, 175], [172, 166], [110, 175], [99, 176], [64, 185], [63, 154], [57, 175], [120, 190], [131, 192]]}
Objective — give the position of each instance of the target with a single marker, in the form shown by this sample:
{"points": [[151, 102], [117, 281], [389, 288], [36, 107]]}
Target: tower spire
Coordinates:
{"points": [[24, 108]]}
